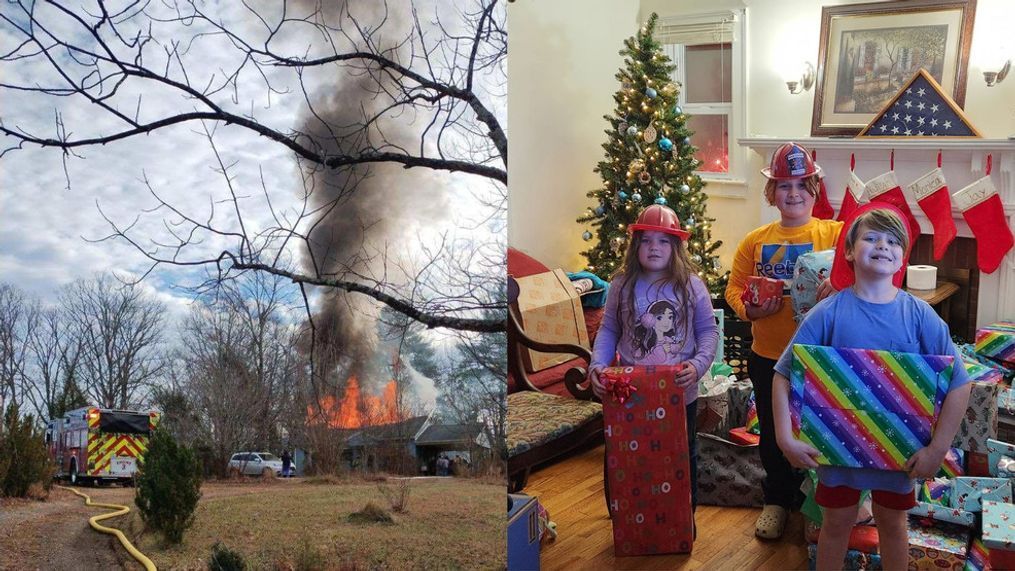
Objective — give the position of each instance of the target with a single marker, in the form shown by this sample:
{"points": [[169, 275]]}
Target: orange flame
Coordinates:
{"points": [[355, 409]]}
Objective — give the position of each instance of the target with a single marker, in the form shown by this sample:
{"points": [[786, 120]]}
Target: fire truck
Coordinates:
{"points": [[94, 444]]}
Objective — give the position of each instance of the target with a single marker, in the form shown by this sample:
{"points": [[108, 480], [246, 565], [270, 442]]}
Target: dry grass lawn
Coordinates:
{"points": [[452, 523]]}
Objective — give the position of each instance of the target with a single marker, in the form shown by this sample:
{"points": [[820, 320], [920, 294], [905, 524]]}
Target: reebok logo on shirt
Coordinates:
{"points": [[778, 260]]}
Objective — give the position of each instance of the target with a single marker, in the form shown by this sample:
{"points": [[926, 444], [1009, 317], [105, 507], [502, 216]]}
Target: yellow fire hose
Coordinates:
{"points": [[120, 510]]}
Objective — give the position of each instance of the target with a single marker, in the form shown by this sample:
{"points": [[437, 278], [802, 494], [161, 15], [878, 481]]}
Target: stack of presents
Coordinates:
{"points": [[965, 518]]}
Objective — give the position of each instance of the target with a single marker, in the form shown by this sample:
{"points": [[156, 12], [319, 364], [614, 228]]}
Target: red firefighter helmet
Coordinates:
{"points": [[790, 161], [660, 218]]}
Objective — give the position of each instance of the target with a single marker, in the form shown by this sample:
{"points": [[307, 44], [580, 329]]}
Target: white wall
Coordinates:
{"points": [[562, 58]]}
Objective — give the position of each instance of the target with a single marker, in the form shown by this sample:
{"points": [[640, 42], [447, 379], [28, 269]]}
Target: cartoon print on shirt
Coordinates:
{"points": [[778, 261], [655, 335]]}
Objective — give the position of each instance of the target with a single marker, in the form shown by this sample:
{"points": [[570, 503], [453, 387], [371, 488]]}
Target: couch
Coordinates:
{"points": [[550, 412]]}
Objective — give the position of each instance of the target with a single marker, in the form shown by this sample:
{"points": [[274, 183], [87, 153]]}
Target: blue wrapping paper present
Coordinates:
{"points": [[969, 492], [942, 513], [999, 525], [996, 450]]}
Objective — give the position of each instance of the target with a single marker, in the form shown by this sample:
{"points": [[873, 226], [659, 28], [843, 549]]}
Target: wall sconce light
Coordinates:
{"points": [[806, 80], [992, 77]]}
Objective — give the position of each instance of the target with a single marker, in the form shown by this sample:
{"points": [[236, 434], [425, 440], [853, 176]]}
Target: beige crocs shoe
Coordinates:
{"points": [[771, 523]]}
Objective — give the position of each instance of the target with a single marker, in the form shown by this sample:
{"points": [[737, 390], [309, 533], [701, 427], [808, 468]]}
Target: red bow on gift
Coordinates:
{"points": [[620, 387]]}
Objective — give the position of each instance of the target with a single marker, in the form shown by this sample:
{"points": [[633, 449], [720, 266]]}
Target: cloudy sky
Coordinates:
{"points": [[48, 230]]}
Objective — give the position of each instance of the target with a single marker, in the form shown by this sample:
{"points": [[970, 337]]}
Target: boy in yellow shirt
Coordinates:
{"points": [[771, 251]]}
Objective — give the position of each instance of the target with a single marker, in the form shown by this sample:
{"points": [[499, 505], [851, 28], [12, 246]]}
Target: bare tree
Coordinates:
{"points": [[238, 368], [413, 93], [120, 331], [53, 384], [18, 321]]}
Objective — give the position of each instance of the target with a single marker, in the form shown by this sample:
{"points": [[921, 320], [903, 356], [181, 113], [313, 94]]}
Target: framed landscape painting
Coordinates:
{"points": [[868, 51]]}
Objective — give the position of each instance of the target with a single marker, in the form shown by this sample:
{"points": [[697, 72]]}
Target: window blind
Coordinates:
{"points": [[704, 29]]}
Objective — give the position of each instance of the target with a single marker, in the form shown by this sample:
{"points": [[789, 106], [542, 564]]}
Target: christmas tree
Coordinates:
{"points": [[649, 159]]}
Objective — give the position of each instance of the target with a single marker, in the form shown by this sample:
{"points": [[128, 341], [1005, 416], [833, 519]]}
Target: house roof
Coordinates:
{"points": [[404, 430], [448, 434]]}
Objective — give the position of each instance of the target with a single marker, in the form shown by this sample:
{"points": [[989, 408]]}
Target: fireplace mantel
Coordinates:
{"points": [[963, 161]]}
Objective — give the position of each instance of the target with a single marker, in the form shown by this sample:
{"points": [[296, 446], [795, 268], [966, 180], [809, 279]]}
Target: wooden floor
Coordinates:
{"points": [[572, 491]]}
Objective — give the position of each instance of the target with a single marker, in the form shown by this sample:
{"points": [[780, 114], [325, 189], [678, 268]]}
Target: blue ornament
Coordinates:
{"points": [[636, 197], [587, 236], [684, 188], [687, 140], [650, 93], [660, 200], [678, 110], [666, 144], [600, 210], [622, 195]]}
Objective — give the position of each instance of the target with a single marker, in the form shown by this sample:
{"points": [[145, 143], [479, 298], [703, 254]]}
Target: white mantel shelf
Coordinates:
{"points": [[899, 144], [963, 161]]}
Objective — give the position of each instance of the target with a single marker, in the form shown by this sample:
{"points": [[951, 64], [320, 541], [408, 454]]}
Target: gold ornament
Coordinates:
{"points": [[649, 135], [669, 90], [637, 165]]}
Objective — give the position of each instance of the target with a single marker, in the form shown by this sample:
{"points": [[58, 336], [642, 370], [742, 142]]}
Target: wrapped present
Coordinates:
{"points": [[997, 341], [998, 525], [863, 408], [741, 436], [996, 451], [980, 421], [968, 493], [942, 513], [720, 318], [862, 538], [1001, 558], [855, 560], [809, 271], [551, 313], [740, 398], [938, 545], [978, 557], [753, 425], [983, 373], [1006, 400], [729, 474], [647, 463], [976, 464], [937, 492], [952, 465], [760, 289]]}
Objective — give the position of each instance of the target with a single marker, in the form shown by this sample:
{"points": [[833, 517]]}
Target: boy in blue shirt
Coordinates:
{"points": [[872, 313]]}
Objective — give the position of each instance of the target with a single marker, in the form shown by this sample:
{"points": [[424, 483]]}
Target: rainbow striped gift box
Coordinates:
{"points": [[863, 408], [997, 341]]}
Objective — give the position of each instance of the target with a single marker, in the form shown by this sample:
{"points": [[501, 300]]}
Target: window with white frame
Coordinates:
{"points": [[708, 51]]}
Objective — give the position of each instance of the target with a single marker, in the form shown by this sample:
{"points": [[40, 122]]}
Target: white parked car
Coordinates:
{"points": [[255, 464]]}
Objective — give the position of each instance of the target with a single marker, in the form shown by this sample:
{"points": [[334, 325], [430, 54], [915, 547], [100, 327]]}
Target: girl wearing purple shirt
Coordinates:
{"points": [[658, 312]]}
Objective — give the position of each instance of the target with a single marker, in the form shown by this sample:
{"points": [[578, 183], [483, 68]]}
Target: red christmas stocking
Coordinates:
{"points": [[853, 197], [982, 209], [822, 208], [886, 189], [931, 192]]}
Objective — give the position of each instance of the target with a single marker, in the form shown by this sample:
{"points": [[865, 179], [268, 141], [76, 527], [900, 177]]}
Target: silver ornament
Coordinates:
{"points": [[632, 131], [636, 197]]}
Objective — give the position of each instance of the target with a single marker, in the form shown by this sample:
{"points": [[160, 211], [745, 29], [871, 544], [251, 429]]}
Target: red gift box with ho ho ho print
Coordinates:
{"points": [[647, 461]]}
